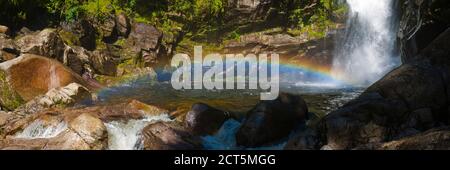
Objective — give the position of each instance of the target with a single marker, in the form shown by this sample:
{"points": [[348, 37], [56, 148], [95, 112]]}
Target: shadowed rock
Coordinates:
{"points": [[271, 121], [205, 120]]}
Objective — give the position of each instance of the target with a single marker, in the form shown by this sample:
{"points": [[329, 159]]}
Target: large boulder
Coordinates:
{"points": [[168, 136], [32, 75], [9, 98], [103, 62], [78, 33], [78, 59], [58, 131], [45, 43], [144, 42], [271, 121], [204, 120], [91, 129], [409, 100], [8, 48]]}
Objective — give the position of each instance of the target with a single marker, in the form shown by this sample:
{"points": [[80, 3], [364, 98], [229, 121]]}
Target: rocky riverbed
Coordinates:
{"points": [[62, 88]]}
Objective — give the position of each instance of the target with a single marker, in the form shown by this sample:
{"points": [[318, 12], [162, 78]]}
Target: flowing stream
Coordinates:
{"points": [[367, 53]]}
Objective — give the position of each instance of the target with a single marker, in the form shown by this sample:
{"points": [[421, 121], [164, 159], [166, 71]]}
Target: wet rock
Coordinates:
{"points": [[84, 131], [205, 120], [32, 75], [79, 33], [271, 121], [45, 43], [123, 25], [408, 100], [168, 136]]}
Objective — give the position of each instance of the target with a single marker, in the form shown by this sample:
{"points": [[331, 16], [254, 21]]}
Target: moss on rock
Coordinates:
{"points": [[9, 99]]}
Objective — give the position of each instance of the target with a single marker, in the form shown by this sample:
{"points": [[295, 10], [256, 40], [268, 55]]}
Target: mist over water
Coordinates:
{"points": [[366, 51]]}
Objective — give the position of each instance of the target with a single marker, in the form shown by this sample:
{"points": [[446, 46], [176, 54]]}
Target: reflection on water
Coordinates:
{"points": [[321, 99]]}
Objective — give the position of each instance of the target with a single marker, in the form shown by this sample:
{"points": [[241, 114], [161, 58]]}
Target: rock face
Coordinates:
{"points": [[398, 111], [79, 33], [71, 132], [145, 41], [9, 98], [45, 43], [420, 23], [168, 136], [435, 139], [123, 25], [205, 120], [84, 129], [271, 121], [57, 97], [8, 48], [103, 63], [31, 75]]}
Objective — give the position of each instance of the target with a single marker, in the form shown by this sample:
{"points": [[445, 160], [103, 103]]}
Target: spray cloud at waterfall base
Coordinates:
{"points": [[367, 51]]}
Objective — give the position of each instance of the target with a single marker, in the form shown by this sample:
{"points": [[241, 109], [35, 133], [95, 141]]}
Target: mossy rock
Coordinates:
{"points": [[9, 99], [69, 38]]}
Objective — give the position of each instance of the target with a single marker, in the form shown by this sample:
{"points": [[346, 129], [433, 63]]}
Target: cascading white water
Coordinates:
{"points": [[127, 135], [39, 129], [367, 50]]}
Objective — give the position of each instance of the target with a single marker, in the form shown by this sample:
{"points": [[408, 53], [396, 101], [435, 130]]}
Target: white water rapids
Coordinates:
{"points": [[39, 129], [126, 135], [367, 50]]}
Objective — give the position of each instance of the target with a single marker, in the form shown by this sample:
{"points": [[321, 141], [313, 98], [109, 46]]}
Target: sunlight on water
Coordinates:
{"points": [[368, 49], [39, 129], [127, 135]]}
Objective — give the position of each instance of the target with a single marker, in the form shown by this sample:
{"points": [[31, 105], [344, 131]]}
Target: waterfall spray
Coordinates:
{"points": [[367, 51]]}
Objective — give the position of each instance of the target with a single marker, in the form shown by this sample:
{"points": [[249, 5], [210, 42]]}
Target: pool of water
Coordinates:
{"points": [[321, 99]]}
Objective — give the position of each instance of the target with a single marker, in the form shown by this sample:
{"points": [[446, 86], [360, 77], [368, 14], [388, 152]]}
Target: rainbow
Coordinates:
{"points": [[323, 73]]}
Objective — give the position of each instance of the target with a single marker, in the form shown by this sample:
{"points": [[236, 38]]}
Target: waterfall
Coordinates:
{"points": [[366, 52], [126, 135], [39, 129]]}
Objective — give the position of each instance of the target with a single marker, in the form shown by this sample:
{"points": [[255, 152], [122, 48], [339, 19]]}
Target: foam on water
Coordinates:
{"points": [[225, 139], [126, 135], [38, 129], [367, 51]]}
